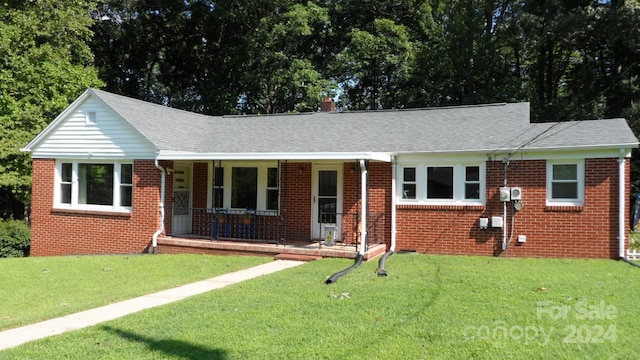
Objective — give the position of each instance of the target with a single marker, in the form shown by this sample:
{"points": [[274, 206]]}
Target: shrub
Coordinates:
{"points": [[15, 237]]}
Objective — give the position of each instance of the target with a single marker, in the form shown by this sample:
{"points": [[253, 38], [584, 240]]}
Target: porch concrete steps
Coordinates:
{"points": [[297, 257]]}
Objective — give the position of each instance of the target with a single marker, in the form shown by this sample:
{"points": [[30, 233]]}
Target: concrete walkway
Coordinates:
{"points": [[14, 337]]}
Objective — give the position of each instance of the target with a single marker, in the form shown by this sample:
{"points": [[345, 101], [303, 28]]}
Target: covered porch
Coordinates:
{"points": [[266, 233], [312, 206]]}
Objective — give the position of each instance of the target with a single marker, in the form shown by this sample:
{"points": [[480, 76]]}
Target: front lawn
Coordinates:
{"points": [[40, 288], [428, 307]]}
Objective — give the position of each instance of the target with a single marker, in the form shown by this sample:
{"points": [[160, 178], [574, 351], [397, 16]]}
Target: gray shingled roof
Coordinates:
{"points": [[482, 128]]}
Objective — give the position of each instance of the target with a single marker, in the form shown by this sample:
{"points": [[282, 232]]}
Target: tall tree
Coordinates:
{"points": [[376, 66], [210, 56], [168, 52], [44, 64], [281, 69], [376, 43], [583, 57]]}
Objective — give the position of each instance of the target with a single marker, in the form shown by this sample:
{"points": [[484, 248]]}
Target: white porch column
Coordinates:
{"points": [[621, 205], [363, 206]]}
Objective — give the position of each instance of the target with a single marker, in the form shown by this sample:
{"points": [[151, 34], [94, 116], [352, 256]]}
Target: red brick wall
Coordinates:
{"points": [[295, 203], [588, 231], [351, 202], [200, 184], [66, 232], [585, 231]]}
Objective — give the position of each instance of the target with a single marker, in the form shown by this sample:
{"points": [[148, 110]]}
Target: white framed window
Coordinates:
{"points": [[472, 182], [218, 187], [454, 184], [126, 185], [409, 183], [94, 185], [244, 185], [273, 192], [565, 183], [440, 182]]}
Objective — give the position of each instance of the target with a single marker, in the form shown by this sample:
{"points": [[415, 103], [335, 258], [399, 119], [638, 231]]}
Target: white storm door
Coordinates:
{"points": [[326, 200], [181, 221]]}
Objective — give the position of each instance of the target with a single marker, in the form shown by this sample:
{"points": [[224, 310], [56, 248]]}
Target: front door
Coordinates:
{"points": [[327, 202], [181, 223]]}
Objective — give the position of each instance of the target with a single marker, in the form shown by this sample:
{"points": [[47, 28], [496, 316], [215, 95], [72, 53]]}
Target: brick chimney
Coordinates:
{"points": [[327, 105]]}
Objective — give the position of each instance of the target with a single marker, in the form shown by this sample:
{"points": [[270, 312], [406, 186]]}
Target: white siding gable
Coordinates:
{"points": [[92, 130]]}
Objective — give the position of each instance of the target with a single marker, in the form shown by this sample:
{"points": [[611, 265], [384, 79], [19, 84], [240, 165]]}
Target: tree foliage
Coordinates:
{"points": [[45, 63], [572, 59]]}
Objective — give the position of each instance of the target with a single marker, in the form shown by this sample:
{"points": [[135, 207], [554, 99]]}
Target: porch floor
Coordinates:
{"points": [[300, 250]]}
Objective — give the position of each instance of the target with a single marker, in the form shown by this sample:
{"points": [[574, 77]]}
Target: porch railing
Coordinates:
{"points": [[270, 227], [263, 226], [351, 230]]}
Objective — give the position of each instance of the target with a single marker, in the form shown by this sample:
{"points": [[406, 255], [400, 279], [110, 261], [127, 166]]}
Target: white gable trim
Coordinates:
{"points": [[108, 136], [33, 144]]}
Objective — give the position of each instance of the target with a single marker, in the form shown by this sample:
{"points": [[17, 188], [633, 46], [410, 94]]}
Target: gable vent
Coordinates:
{"points": [[90, 118]]}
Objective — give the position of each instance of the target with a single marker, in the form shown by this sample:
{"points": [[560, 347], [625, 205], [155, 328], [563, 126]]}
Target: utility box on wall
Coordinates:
{"points": [[516, 193], [505, 194], [496, 221]]}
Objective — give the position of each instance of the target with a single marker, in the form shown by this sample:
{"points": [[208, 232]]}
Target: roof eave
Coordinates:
{"points": [[616, 147], [174, 155]]}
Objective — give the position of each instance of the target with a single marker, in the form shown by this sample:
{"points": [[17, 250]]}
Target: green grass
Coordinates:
{"points": [[39, 288], [428, 307]]}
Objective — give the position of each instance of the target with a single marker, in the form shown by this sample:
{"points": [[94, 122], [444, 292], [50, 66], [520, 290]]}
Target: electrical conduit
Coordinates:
{"points": [[381, 270], [363, 225]]}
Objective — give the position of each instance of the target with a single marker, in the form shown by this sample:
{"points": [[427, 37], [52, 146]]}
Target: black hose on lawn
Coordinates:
{"points": [[629, 262], [381, 271], [333, 278]]}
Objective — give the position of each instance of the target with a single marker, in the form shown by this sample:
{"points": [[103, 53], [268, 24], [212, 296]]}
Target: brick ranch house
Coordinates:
{"points": [[113, 175]]}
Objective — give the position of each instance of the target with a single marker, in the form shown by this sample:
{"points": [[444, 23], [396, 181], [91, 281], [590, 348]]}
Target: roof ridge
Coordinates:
{"points": [[448, 107], [101, 93]]}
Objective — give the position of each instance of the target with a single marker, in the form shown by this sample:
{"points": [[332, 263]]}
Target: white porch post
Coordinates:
{"points": [[621, 205], [363, 206]]}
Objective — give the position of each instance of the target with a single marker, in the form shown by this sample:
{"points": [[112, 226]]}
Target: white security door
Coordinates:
{"points": [[327, 201], [181, 200]]}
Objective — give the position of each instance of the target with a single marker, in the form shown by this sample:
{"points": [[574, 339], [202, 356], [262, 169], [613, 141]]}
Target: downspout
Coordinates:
{"points": [[621, 205], [504, 208], [363, 206], [363, 225], [381, 270], [154, 241]]}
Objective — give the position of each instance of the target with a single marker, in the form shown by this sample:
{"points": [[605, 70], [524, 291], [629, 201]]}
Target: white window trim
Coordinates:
{"points": [[458, 184], [75, 187], [566, 202], [263, 173]]}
